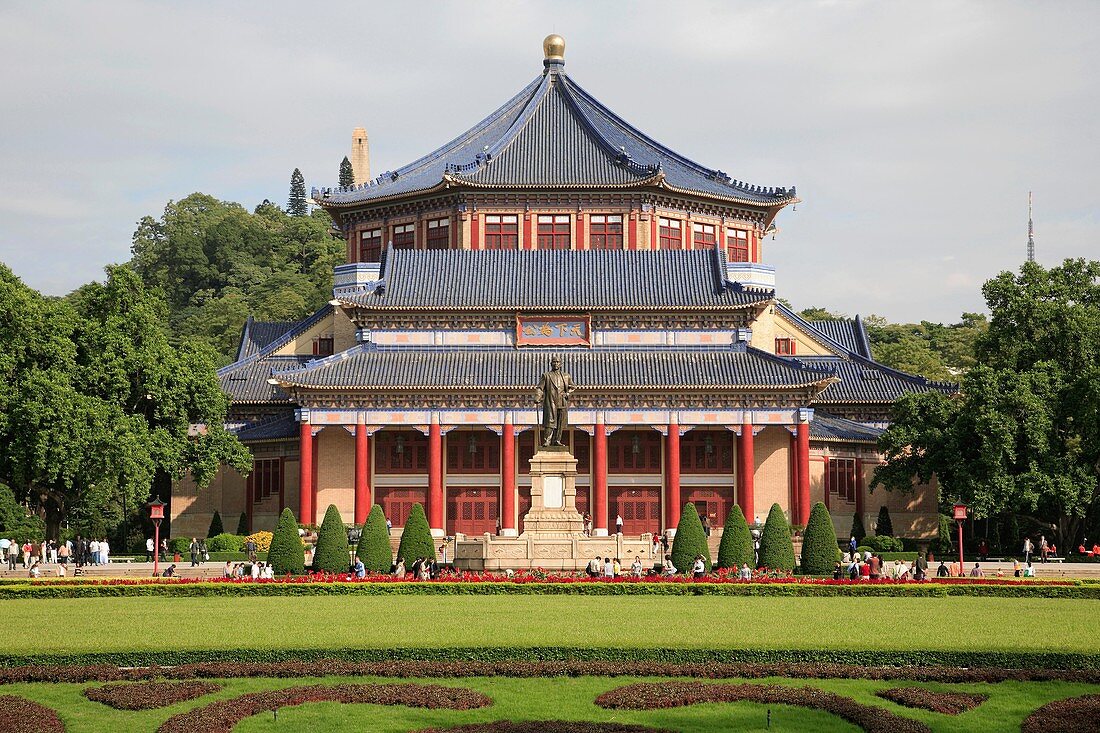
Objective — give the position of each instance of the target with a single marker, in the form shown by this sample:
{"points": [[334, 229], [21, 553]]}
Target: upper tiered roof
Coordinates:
{"points": [[554, 135]]}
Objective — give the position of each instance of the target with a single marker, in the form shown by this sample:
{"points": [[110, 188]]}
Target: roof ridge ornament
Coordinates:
{"points": [[553, 51]]}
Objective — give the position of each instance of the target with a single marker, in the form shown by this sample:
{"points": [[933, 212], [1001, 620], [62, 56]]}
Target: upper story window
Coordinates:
{"points": [[634, 451], [605, 231], [439, 234], [370, 245], [401, 451], [473, 452], [266, 478], [702, 236], [670, 234], [501, 231], [553, 231], [785, 346], [737, 245], [323, 346], [840, 478], [404, 236], [706, 451]]}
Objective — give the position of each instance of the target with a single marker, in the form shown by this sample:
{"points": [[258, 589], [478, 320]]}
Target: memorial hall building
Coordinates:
{"points": [[553, 227]]}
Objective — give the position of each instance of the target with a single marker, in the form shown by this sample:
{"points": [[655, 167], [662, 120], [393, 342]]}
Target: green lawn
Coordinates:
{"points": [[557, 698], [320, 622]]}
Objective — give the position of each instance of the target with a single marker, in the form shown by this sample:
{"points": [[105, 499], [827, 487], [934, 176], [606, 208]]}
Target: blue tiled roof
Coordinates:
{"points": [[848, 333], [258, 335], [556, 280], [553, 134], [824, 426], [368, 367], [274, 428], [863, 380]]}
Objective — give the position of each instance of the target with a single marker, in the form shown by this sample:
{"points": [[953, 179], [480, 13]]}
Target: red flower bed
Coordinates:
{"points": [[948, 703], [149, 695], [223, 715], [546, 726], [1072, 715], [652, 696], [20, 715]]}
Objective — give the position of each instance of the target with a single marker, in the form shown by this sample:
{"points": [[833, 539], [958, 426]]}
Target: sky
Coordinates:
{"points": [[913, 130]]}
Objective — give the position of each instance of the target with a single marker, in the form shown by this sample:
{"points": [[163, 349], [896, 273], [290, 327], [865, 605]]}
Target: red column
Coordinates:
{"points": [[632, 232], [528, 232], [305, 473], [793, 466], [362, 474], [672, 480], [580, 232], [475, 232], [746, 472], [599, 480], [435, 477], [508, 479], [313, 479], [803, 472]]}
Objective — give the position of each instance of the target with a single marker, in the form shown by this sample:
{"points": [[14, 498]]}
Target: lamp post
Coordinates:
{"points": [[156, 513], [960, 517]]}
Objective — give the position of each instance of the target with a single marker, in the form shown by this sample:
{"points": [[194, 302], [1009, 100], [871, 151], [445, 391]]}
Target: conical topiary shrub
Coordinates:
{"points": [[374, 544], [776, 548], [819, 548], [287, 554], [690, 541], [216, 527], [242, 525], [331, 555], [884, 527], [857, 528], [736, 546], [416, 537]]}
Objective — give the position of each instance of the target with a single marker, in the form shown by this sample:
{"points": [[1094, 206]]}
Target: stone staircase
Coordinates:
{"points": [[132, 570]]}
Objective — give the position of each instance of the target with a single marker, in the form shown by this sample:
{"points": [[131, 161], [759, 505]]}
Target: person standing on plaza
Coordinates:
{"points": [[93, 548], [1028, 549], [63, 554], [13, 555], [636, 567], [53, 552], [1044, 548], [852, 544], [105, 551], [706, 525], [150, 548], [193, 548], [608, 568], [618, 524]]}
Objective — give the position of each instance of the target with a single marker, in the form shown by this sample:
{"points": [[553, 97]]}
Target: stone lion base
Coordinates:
{"points": [[489, 552]]}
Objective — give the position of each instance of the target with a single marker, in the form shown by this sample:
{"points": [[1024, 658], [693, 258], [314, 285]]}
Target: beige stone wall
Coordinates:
{"points": [[193, 507], [772, 484], [343, 331], [303, 343], [336, 472], [771, 325]]}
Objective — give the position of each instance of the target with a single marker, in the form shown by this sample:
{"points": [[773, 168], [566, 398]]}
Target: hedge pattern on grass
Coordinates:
{"points": [[20, 715], [884, 527], [331, 554], [374, 544], [287, 555], [736, 548], [546, 726], [936, 701], [149, 695], [690, 541], [216, 527], [223, 715], [416, 537], [653, 696], [776, 548], [1072, 715], [242, 524], [819, 548]]}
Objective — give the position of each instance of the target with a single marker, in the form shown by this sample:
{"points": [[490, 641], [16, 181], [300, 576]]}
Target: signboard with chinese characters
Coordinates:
{"points": [[551, 331]]}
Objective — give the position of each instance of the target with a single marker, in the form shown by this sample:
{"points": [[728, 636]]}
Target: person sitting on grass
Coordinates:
{"points": [[942, 571], [699, 569], [227, 571], [746, 572], [399, 569], [977, 572], [636, 567], [670, 569], [1029, 571], [170, 571]]}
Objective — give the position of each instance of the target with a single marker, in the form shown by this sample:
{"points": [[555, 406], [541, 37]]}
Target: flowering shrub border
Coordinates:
{"points": [[221, 716], [653, 696], [20, 715], [566, 668], [148, 695], [546, 726], [948, 703], [1071, 715]]}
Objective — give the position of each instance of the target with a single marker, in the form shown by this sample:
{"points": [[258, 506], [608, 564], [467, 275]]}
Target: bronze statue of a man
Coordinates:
{"points": [[553, 394]]}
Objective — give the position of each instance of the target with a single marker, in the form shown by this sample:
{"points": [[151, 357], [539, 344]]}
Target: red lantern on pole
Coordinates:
{"points": [[960, 517], [156, 513]]}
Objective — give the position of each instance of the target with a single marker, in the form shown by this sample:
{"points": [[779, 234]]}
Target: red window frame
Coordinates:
{"points": [[737, 245], [485, 457], [439, 234], [785, 346], [605, 231], [703, 236], [695, 458], [670, 233], [404, 236], [413, 457], [621, 457], [501, 231], [554, 231], [840, 478], [370, 245]]}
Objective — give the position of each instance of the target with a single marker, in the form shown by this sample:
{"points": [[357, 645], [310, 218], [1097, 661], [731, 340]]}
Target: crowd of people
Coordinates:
{"points": [[34, 556], [257, 570], [870, 566]]}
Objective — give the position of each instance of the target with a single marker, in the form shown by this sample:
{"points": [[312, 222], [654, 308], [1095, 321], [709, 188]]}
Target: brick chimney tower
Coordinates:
{"points": [[360, 155]]}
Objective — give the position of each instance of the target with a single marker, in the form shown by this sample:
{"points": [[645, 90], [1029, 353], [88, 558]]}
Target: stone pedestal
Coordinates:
{"points": [[553, 495]]}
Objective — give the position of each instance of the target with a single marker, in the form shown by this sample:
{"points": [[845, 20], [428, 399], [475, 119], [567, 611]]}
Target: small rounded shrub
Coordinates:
{"points": [[331, 555], [776, 548], [819, 548], [416, 537], [374, 544], [884, 543], [180, 545], [262, 540], [225, 542], [287, 554], [736, 546], [690, 541]]}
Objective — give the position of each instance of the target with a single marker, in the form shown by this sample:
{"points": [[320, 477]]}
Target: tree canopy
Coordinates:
{"points": [[347, 174], [297, 205], [1023, 434]]}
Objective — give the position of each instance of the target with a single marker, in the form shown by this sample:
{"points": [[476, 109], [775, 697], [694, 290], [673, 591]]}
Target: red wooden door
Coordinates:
{"points": [[396, 503], [471, 510], [639, 508], [711, 502]]}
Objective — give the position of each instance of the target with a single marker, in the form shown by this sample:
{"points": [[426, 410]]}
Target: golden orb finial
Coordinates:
{"points": [[553, 47]]}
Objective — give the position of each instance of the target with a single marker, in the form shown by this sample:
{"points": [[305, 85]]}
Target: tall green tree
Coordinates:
{"points": [[297, 205], [1023, 434], [347, 174]]}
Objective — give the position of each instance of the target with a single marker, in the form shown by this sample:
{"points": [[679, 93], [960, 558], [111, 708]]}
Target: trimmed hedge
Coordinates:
{"points": [[690, 541], [884, 527], [20, 715], [546, 726], [819, 548], [331, 555], [884, 543], [149, 695], [857, 530], [736, 548], [216, 527], [287, 555], [416, 537], [242, 525], [374, 543], [224, 542], [776, 548]]}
